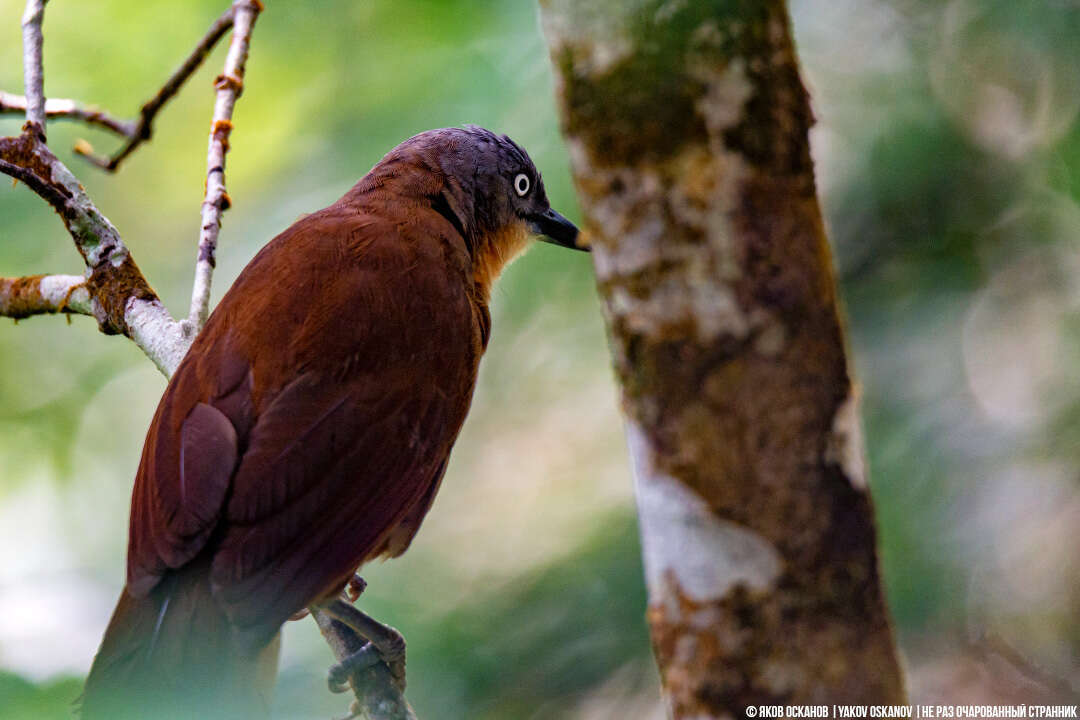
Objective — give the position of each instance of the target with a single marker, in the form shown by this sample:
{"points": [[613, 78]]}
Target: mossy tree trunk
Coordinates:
{"points": [[687, 123]]}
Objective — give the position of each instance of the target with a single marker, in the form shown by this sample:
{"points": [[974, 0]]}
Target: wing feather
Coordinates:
{"points": [[301, 431]]}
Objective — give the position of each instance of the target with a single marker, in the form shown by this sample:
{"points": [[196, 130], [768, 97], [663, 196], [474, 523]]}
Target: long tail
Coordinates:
{"points": [[173, 655]]}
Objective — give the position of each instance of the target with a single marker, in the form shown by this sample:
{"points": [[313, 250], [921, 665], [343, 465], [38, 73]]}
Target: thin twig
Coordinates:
{"points": [[230, 84], [65, 109], [33, 71], [142, 128], [44, 294]]}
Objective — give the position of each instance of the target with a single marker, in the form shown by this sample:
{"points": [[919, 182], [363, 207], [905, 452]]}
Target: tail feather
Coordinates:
{"points": [[173, 655]]}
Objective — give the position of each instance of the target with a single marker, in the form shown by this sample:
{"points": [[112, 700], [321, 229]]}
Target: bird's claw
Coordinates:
{"points": [[390, 650], [338, 677], [392, 653], [356, 587], [384, 644]]}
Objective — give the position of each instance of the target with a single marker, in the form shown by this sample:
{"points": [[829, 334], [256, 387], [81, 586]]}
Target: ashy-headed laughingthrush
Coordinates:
{"points": [[308, 428]]}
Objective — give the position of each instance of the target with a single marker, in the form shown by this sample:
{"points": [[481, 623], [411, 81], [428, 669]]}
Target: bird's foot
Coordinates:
{"points": [[338, 678], [385, 644]]}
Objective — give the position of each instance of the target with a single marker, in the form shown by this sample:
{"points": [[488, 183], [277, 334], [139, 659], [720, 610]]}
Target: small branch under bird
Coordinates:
{"points": [[307, 430]]}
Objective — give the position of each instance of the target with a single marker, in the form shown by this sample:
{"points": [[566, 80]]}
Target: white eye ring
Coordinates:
{"points": [[521, 184]]}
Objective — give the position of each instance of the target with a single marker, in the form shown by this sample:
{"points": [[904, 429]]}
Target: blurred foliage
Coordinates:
{"points": [[52, 700], [531, 647], [951, 192], [948, 157]]}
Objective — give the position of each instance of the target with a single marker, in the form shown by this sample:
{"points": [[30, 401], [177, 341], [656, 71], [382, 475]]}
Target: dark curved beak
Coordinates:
{"points": [[555, 229]]}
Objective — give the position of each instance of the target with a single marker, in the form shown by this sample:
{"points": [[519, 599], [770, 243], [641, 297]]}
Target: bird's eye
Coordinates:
{"points": [[521, 184]]}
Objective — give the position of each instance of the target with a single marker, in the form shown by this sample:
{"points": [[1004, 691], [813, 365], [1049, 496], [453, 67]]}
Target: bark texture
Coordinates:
{"points": [[687, 124]]}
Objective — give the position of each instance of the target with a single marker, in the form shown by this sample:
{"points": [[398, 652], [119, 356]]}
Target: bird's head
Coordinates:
{"points": [[507, 188], [484, 184]]}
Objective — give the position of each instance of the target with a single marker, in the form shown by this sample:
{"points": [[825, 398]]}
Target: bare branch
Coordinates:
{"points": [[141, 130], [44, 294], [28, 159], [230, 85], [64, 109], [33, 72]]}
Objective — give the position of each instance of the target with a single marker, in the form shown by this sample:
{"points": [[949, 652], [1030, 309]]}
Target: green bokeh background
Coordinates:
{"points": [[948, 158]]}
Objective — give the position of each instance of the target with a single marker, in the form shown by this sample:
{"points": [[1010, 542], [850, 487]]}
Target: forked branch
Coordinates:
{"points": [[119, 297]]}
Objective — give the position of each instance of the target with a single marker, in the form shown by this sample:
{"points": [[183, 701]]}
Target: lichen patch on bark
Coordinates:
{"points": [[726, 93], [752, 648], [608, 65], [845, 447], [661, 286], [114, 283], [599, 41], [686, 544], [20, 297]]}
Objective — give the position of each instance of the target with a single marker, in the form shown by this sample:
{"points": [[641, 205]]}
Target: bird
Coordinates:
{"points": [[307, 430]]}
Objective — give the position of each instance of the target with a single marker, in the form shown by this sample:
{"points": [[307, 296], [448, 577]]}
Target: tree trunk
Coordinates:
{"points": [[687, 123]]}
